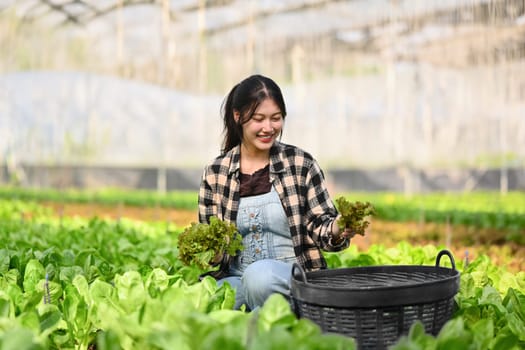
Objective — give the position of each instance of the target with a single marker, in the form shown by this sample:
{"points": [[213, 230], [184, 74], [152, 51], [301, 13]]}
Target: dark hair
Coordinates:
{"points": [[245, 97]]}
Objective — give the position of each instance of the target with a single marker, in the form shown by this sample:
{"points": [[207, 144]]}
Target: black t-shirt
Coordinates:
{"points": [[256, 183]]}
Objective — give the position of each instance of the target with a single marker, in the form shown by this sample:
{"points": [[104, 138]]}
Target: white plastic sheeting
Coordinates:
{"points": [[410, 114]]}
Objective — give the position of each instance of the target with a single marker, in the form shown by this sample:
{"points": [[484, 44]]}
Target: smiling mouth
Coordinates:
{"points": [[266, 138]]}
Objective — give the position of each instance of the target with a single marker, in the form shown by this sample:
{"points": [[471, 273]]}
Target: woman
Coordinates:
{"points": [[274, 193]]}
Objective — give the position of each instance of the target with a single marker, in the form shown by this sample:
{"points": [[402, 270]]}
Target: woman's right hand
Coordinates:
{"points": [[217, 259]]}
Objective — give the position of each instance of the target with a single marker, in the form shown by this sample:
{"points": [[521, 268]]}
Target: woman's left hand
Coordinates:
{"points": [[338, 235]]}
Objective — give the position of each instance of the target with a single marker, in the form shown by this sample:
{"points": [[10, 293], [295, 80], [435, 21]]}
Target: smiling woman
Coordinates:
{"points": [[259, 133], [273, 192]]}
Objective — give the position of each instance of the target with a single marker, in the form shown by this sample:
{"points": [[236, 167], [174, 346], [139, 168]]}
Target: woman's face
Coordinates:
{"points": [[261, 131]]}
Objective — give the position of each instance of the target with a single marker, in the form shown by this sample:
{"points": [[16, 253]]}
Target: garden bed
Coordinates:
{"points": [[459, 239]]}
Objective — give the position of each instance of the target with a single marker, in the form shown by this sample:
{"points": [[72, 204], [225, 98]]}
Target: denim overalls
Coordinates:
{"points": [[264, 266]]}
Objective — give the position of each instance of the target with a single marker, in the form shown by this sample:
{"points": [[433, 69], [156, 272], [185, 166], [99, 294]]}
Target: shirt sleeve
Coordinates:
{"points": [[207, 202], [321, 211]]}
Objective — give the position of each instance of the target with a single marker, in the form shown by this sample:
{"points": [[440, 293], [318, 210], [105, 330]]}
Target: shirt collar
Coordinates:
{"points": [[276, 161], [235, 162]]}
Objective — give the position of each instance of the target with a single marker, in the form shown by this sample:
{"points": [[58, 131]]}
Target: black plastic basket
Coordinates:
{"points": [[376, 304]]}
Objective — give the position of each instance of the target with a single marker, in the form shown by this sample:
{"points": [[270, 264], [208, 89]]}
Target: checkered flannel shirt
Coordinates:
{"points": [[300, 183]]}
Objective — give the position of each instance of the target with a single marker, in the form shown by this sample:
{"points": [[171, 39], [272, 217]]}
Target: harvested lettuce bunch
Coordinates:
{"points": [[354, 215], [203, 245]]}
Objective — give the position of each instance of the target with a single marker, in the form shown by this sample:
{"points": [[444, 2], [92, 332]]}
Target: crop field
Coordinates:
{"points": [[462, 239], [101, 271]]}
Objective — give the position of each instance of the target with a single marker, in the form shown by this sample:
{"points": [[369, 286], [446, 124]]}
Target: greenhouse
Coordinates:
{"points": [[116, 234]]}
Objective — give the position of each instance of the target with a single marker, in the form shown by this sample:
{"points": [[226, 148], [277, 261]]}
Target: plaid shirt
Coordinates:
{"points": [[300, 183]]}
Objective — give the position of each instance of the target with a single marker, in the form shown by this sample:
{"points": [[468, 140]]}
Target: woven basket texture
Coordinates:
{"points": [[376, 305], [377, 328]]}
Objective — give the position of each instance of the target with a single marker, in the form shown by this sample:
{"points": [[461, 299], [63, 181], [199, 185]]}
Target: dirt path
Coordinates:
{"points": [[179, 217]]}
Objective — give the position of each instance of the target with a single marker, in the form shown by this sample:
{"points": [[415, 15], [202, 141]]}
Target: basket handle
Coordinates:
{"points": [[445, 252], [301, 271]]}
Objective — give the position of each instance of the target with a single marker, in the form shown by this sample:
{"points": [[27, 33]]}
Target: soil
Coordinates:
{"points": [[179, 217], [459, 240]]}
